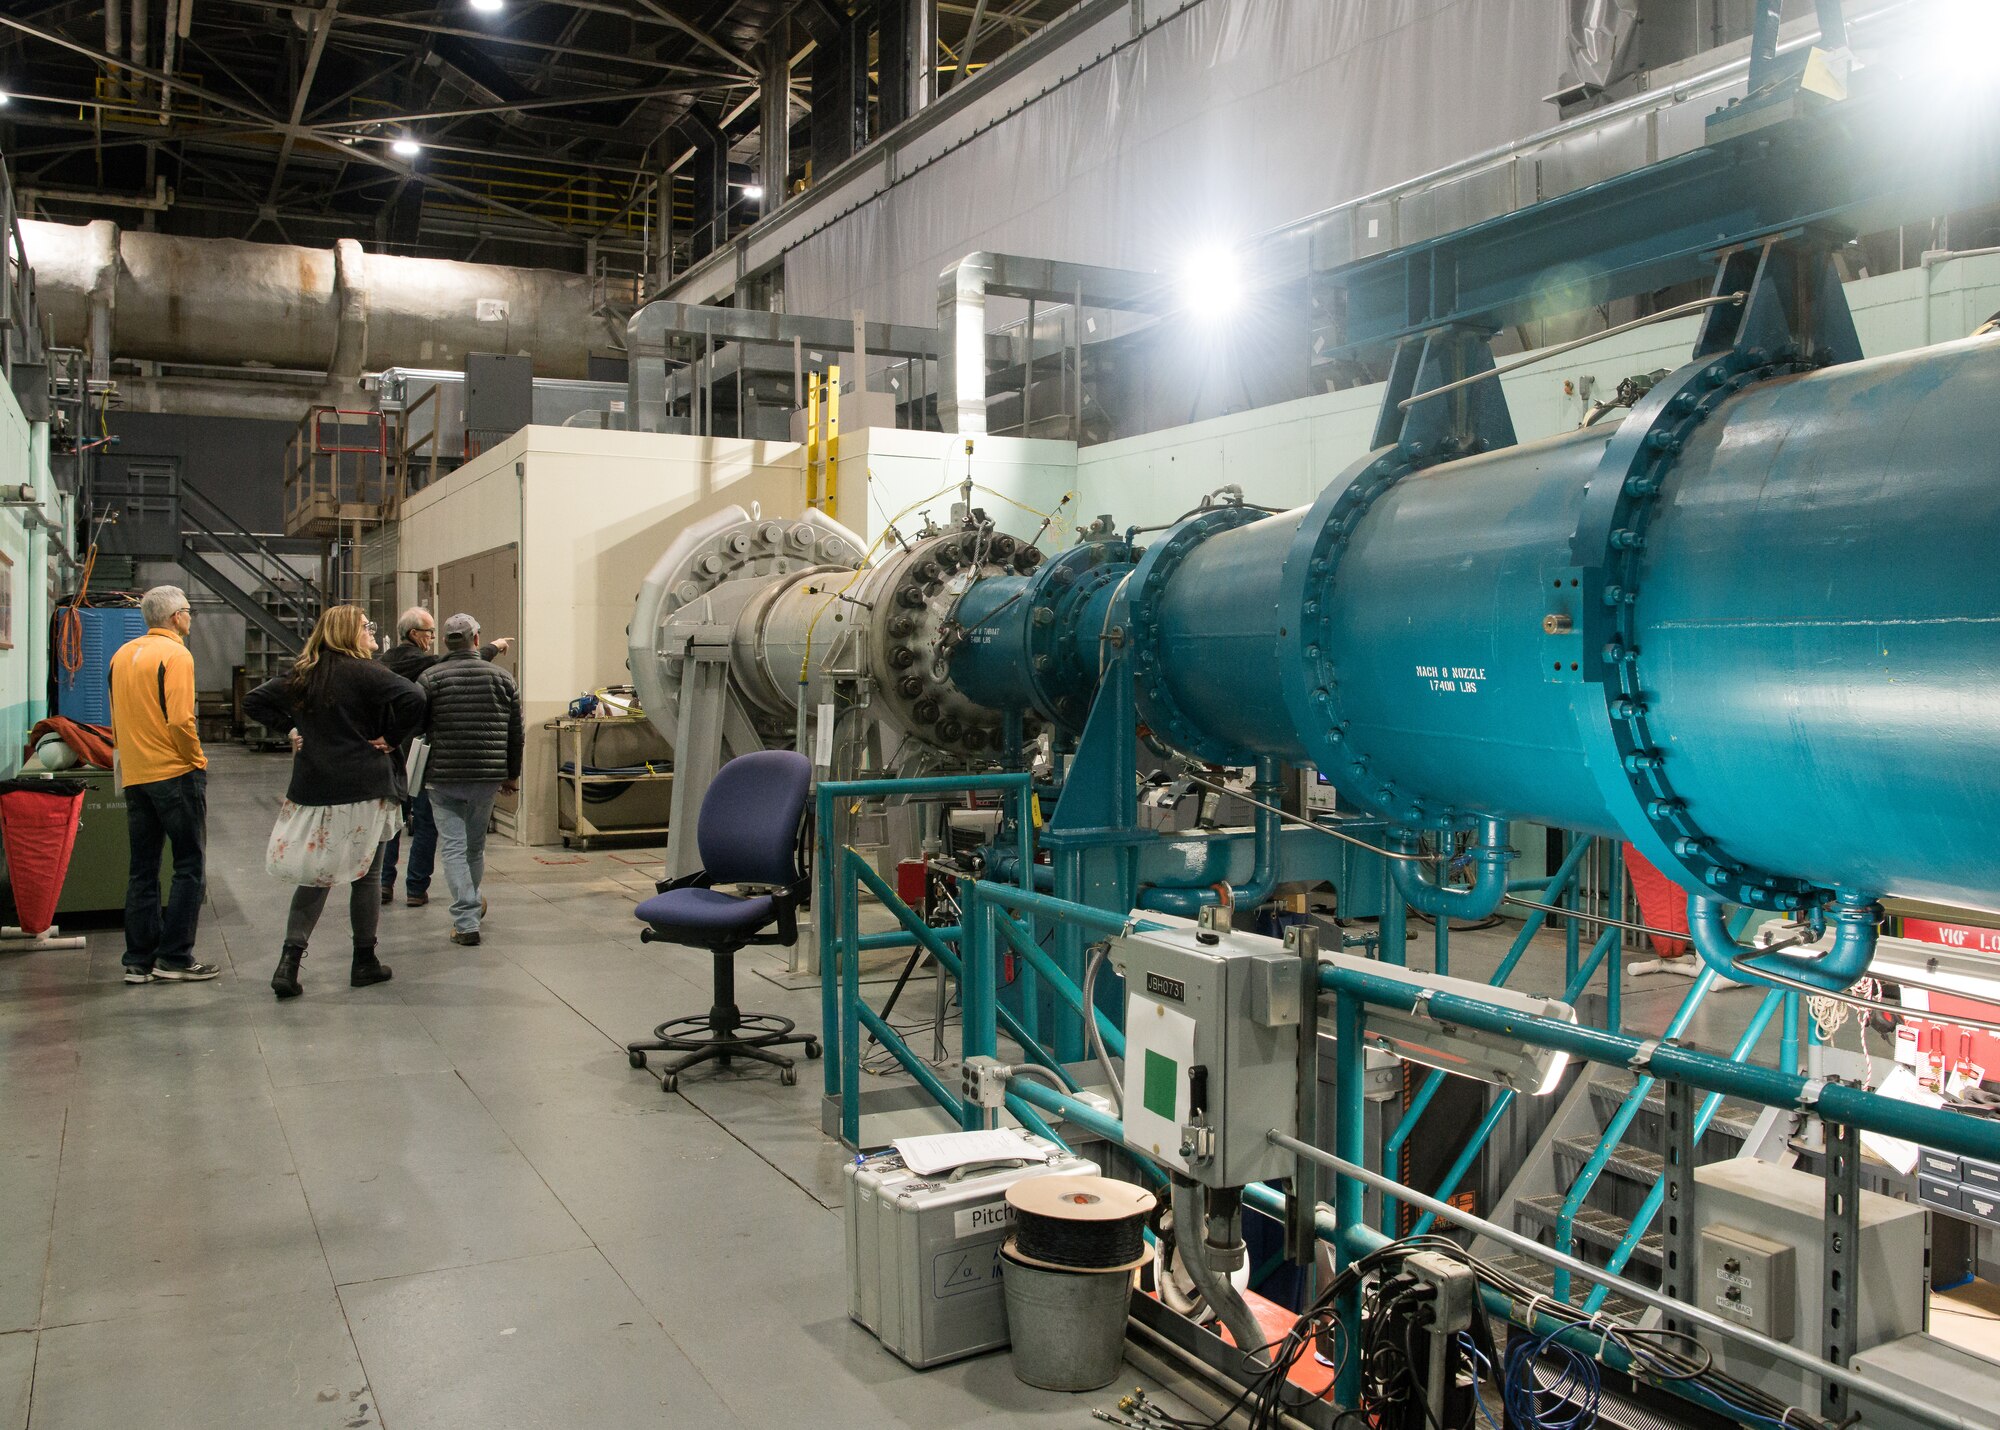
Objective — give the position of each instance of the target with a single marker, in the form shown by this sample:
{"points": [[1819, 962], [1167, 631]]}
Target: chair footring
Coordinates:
{"points": [[749, 1036], [702, 1030]]}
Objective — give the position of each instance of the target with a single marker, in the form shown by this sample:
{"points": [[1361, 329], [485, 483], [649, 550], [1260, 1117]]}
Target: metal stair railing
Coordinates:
{"points": [[1774, 1000], [1564, 879], [1504, 1098], [1614, 1131], [299, 599]]}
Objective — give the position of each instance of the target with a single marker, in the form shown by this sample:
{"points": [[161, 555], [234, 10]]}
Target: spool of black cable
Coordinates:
{"points": [[1079, 1223]]}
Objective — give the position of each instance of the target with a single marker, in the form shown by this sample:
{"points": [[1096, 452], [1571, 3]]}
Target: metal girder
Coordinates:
{"points": [[1839, 170], [322, 31]]}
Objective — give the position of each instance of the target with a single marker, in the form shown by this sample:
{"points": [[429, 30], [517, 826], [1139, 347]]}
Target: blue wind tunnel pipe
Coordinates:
{"points": [[1032, 643], [1811, 607], [1187, 902], [1422, 891], [1856, 926]]}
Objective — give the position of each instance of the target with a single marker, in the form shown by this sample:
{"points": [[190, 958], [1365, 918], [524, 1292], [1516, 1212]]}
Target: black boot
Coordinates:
{"points": [[367, 969], [285, 982]]}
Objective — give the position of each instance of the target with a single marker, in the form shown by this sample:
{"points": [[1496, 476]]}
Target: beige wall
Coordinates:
{"points": [[598, 508]]}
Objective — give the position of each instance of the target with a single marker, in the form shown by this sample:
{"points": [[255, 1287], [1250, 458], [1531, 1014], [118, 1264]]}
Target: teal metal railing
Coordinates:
{"points": [[841, 942], [1614, 1131], [1392, 1146], [1774, 1002]]}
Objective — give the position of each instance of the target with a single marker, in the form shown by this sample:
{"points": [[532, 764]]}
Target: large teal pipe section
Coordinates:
{"points": [[1814, 632]]}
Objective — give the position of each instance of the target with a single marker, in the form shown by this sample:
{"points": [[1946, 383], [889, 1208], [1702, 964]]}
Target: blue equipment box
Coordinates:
{"points": [[84, 694]]}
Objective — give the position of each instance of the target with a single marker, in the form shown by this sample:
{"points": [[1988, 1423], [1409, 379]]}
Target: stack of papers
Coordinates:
{"points": [[943, 1151]]}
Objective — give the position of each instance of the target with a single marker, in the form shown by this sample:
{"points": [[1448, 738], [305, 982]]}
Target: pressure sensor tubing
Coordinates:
{"points": [[1856, 927]]}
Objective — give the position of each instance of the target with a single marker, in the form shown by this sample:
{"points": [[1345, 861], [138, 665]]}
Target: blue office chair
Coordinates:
{"points": [[751, 832]]}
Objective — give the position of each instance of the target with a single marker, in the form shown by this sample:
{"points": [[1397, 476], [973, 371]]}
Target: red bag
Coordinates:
{"points": [[38, 820], [1663, 904]]}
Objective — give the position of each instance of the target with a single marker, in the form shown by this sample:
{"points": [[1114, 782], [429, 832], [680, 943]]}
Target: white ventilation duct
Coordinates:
{"points": [[342, 311]]}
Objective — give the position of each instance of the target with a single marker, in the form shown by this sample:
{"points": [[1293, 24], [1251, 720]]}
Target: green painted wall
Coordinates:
{"points": [[23, 665]]}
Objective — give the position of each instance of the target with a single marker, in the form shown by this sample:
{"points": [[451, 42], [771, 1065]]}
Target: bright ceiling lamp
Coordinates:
{"points": [[753, 191], [489, 7], [1211, 283], [406, 148]]}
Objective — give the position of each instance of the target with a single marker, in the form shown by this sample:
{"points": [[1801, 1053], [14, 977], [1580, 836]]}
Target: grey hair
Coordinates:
{"points": [[410, 620], [162, 604]]}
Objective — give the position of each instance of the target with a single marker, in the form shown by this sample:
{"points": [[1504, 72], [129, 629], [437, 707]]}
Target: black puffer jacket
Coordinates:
{"points": [[473, 721]]}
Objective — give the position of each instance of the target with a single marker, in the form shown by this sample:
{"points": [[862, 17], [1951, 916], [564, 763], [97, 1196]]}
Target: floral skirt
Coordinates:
{"points": [[324, 845]]}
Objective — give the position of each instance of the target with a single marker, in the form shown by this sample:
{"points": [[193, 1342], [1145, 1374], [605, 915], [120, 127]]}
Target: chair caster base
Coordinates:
{"points": [[636, 1058], [813, 1049], [670, 1083], [788, 1076]]}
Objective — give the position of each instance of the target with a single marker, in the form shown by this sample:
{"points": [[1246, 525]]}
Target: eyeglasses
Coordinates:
{"points": [[368, 626]]}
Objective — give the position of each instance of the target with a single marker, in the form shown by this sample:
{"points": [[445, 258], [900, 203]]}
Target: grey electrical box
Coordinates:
{"points": [[1748, 1278], [1745, 1208], [499, 395], [1211, 1051]]}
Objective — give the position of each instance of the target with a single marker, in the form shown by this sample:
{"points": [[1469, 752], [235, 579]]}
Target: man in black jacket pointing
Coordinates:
{"points": [[476, 734]]}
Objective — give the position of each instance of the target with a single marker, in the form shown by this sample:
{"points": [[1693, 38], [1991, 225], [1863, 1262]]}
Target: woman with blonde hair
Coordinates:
{"points": [[350, 712]]}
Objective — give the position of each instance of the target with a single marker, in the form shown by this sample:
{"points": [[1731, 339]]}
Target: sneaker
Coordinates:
{"points": [[470, 940], [193, 973], [138, 975], [415, 900]]}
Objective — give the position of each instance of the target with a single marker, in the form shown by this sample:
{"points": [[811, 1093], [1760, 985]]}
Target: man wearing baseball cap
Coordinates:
{"points": [[476, 736]]}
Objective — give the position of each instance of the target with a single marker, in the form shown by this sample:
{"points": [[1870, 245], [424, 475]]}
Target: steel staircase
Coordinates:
{"points": [[246, 573]]}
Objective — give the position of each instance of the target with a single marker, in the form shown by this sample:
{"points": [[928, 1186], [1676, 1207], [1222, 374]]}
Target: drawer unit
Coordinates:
{"points": [[1979, 1203], [1945, 1166], [1983, 1175], [1935, 1193]]}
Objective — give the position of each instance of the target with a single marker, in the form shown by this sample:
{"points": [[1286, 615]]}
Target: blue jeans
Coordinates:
{"points": [[157, 813], [462, 817], [423, 847]]}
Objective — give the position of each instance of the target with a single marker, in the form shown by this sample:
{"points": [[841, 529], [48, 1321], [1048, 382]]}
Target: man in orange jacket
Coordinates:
{"points": [[165, 778]]}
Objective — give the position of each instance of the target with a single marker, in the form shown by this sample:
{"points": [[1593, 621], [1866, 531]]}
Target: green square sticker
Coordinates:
{"points": [[1162, 1083]]}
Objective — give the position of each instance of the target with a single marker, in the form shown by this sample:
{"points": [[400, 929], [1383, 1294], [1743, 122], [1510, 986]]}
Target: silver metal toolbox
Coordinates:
{"points": [[923, 1253]]}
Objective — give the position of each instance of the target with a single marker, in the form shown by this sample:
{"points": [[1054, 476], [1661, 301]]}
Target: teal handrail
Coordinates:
{"points": [[1392, 1147], [855, 1014], [839, 938], [1704, 1115], [1614, 1131]]}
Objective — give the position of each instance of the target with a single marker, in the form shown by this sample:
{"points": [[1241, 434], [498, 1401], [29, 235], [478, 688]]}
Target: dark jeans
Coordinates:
{"points": [[157, 813], [364, 907], [423, 847]]}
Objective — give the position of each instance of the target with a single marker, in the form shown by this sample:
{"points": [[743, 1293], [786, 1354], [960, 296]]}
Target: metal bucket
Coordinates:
{"points": [[1068, 1327]]}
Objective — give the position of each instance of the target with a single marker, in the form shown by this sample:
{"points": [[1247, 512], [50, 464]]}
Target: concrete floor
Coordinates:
{"points": [[441, 1202]]}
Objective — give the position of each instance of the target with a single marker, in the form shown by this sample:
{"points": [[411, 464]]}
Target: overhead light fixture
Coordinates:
{"points": [[4, 96], [1965, 34], [406, 148], [1211, 282], [1417, 1037], [753, 191], [489, 7]]}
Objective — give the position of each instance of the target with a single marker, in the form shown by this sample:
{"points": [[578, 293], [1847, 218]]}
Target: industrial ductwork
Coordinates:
{"points": [[342, 311]]}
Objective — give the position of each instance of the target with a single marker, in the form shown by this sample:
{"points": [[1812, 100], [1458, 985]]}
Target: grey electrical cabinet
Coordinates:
{"points": [[1211, 1051], [499, 395], [1763, 1237]]}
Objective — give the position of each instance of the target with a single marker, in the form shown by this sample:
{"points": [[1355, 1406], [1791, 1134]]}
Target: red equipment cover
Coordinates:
{"points": [[1662, 903], [38, 820]]}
